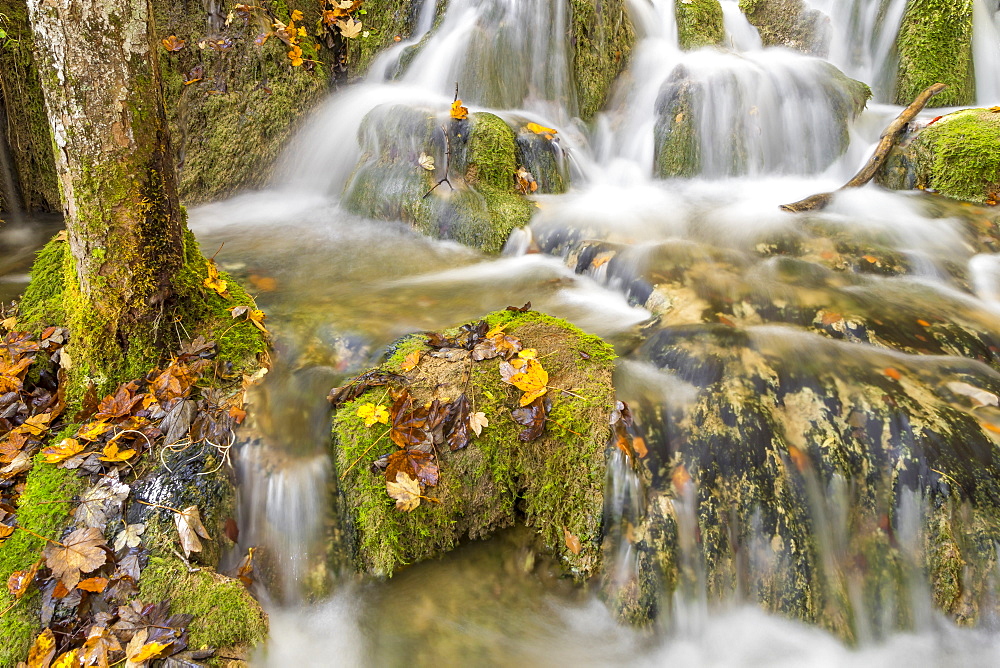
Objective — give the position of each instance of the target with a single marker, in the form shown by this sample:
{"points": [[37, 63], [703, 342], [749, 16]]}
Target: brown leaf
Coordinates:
{"points": [[414, 463], [173, 43], [572, 542], [20, 581], [456, 428], [532, 418], [120, 404], [411, 361], [81, 552], [407, 425], [189, 527], [100, 642]]}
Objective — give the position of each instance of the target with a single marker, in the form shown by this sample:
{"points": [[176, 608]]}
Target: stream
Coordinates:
{"points": [[338, 288]]}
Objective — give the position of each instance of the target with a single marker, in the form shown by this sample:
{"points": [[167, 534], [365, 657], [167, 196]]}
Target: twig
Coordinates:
{"points": [[157, 505], [342, 475], [38, 535], [879, 156], [447, 159]]}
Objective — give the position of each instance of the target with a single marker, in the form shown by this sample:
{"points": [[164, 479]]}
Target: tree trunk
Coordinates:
{"points": [[116, 175]]}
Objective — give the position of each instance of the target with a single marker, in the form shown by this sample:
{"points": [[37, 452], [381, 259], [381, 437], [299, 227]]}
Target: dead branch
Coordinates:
{"points": [[447, 162], [879, 156]]}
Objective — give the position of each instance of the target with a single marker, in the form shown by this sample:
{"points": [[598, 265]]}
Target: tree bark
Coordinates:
{"points": [[879, 156], [125, 226]]}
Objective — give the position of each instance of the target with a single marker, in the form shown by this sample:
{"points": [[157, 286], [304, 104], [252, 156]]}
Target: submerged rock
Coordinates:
{"points": [[789, 23], [826, 481], [554, 484], [479, 205], [955, 156], [721, 115], [935, 46]]}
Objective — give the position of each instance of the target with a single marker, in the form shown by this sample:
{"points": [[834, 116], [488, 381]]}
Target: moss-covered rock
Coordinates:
{"points": [[788, 23], [699, 24], [481, 205], [935, 46], [955, 156], [27, 125], [553, 484], [602, 38]]}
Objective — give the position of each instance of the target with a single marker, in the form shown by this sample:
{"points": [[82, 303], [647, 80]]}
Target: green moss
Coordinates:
{"points": [[554, 484], [699, 24], [956, 156], [42, 303], [385, 20], [42, 509], [225, 615], [935, 46], [602, 37]]}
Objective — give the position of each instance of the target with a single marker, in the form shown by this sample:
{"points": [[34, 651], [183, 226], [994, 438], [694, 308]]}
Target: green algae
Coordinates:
{"points": [[602, 38]]}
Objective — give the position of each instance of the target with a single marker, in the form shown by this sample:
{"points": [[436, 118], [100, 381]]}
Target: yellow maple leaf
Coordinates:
{"points": [[65, 449], [541, 130], [92, 431], [150, 651], [214, 280], [372, 413], [113, 454], [411, 361], [458, 112], [530, 376], [349, 28], [296, 15]]}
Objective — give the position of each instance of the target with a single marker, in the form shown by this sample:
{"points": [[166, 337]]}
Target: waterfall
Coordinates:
{"points": [[10, 198], [986, 51]]}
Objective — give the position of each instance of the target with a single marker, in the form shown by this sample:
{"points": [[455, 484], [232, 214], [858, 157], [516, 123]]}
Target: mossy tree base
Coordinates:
{"points": [[554, 484]]}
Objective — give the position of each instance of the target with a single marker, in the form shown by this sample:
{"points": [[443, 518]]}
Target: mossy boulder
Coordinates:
{"points": [[686, 140], [789, 23], [553, 484], [955, 156], [602, 38], [935, 46], [478, 206], [699, 24]]}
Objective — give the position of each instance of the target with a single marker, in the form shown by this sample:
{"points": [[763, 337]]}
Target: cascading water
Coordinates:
{"points": [[713, 246]]}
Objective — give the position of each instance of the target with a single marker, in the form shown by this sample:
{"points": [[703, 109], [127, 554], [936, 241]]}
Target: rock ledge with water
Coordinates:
{"points": [[554, 484]]}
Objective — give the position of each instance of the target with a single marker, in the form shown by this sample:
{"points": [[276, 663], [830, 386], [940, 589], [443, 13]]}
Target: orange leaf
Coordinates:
{"points": [[19, 581], [572, 542], [680, 478], [96, 585], [923, 323], [411, 361], [799, 458], [892, 373], [65, 449], [173, 43], [458, 112]]}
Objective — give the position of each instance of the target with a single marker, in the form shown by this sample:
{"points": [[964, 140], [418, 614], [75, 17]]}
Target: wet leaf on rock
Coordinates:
{"points": [[130, 536], [189, 527], [42, 650], [532, 417], [214, 280], [20, 581], [572, 542], [477, 421]]}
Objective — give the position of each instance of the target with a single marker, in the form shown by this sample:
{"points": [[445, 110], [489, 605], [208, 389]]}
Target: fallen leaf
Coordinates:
{"points": [[572, 542], [426, 161], [892, 373], [411, 361], [81, 552], [372, 413], [100, 642], [102, 502], [527, 374], [414, 463], [405, 490], [214, 280], [71, 659], [189, 527], [42, 650], [798, 458], [477, 421], [65, 449], [96, 585], [680, 478], [458, 112], [19, 581], [130, 536], [541, 130], [150, 651], [92, 431], [979, 396], [349, 28], [111, 453], [532, 418], [173, 43]]}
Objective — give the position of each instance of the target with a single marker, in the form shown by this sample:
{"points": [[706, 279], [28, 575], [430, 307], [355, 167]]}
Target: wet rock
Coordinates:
{"points": [[935, 46], [955, 156], [789, 23], [826, 481], [602, 37], [553, 484], [478, 205]]}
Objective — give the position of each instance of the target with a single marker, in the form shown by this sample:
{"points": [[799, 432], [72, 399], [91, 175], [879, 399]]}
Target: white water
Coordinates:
{"points": [[345, 279]]}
